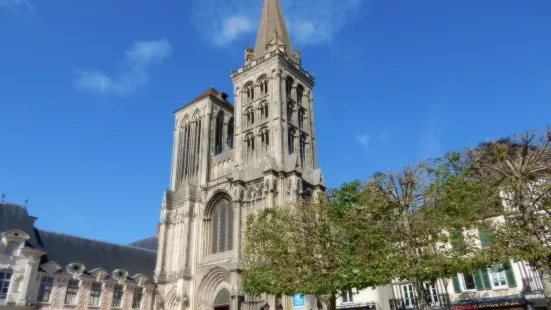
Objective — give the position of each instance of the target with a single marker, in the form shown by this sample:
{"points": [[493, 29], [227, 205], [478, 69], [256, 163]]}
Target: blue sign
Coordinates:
{"points": [[298, 301]]}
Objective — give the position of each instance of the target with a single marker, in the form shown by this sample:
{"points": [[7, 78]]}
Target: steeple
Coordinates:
{"points": [[271, 30]]}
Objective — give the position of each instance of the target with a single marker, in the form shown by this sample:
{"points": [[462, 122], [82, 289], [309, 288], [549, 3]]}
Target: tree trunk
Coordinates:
{"points": [[333, 302], [546, 280], [421, 295]]}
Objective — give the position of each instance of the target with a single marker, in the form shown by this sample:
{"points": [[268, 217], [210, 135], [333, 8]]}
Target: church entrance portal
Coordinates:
{"points": [[222, 300]]}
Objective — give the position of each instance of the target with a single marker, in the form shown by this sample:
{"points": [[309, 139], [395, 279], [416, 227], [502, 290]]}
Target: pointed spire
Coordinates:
{"points": [[271, 26]]}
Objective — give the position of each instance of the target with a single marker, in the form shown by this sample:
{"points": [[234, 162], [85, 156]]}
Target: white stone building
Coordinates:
{"points": [[230, 160], [513, 286], [42, 269]]}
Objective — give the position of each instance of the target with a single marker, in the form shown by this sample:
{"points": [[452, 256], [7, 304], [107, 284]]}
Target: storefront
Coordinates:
{"points": [[495, 303]]}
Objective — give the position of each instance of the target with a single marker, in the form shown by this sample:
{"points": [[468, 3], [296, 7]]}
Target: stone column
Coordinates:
{"points": [[162, 242], [277, 107], [205, 149], [237, 128]]}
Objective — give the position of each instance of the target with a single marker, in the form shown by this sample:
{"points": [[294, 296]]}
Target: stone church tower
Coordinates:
{"points": [[229, 161]]}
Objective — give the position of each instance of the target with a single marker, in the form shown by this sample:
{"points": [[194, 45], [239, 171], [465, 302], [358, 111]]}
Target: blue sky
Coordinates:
{"points": [[88, 87]]}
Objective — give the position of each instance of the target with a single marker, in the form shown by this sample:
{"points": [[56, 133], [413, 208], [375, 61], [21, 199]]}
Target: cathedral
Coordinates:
{"points": [[230, 160]]}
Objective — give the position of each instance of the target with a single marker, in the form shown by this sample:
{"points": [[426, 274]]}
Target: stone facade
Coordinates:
{"points": [[230, 161], [41, 269]]}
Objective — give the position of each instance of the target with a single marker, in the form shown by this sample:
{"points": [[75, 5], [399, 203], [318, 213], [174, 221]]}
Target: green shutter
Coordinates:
{"points": [[510, 274], [478, 283], [486, 279], [485, 235], [456, 286], [457, 239]]}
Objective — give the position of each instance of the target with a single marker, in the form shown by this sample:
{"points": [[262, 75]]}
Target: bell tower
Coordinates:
{"points": [[274, 129]]}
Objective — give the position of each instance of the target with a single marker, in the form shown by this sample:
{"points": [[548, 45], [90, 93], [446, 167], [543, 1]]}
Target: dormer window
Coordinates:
{"points": [[12, 248], [72, 292]]}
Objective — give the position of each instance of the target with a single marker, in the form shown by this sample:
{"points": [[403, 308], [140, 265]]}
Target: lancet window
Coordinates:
{"points": [[302, 150], [301, 119], [222, 226], [288, 87], [300, 92], [229, 139], [264, 111], [250, 93], [250, 116], [249, 140], [219, 131], [265, 140], [291, 140], [263, 87]]}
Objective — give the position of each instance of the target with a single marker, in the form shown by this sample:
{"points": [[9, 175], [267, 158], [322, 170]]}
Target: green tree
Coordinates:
{"points": [[304, 249], [519, 170]]}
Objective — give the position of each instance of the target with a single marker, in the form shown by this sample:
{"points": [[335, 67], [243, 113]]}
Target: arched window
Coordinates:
{"points": [[264, 87], [301, 119], [222, 298], [250, 116], [229, 140], [289, 112], [5, 280], [300, 91], [265, 140], [302, 150], [291, 140], [288, 87], [250, 146], [219, 130], [264, 111], [250, 93], [222, 226]]}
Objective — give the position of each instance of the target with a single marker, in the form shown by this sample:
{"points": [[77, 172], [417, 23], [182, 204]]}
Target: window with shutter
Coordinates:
{"points": [[469, 282], [510, 274], [456, 284]]}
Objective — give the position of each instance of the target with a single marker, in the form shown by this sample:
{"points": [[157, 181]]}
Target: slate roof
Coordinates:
{"points": [[16, 216], [213, 93], [149, 243], [65, 249]]}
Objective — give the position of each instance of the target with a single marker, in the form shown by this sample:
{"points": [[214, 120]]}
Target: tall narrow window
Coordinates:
{"points": [[222, 226], [409, 297], [468, 281], [288, 87], [300, 92], [302, 150], [291, 141], [250, 116], [250, 93], [263, 84], [137, 299], [45, 289], [301, 119], [72, 292], [265, 140], [117, 295], [264, 111], [433, 293], [5, 279], [229, 141], [95, 294], [289, 112], [219, 131], [347, 297]]}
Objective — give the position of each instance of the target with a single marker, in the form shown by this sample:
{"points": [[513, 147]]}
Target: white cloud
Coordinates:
{"points": [[363, 140], [307, 23], [137, 61], [6, 3]]}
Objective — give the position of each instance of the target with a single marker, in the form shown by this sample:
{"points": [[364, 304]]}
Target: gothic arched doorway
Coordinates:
{"points": [[222, 300]]}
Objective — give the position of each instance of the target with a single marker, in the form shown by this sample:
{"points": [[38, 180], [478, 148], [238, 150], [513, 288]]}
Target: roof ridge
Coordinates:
{"points": [[154, 235], [95, 240], [5, 202]]}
